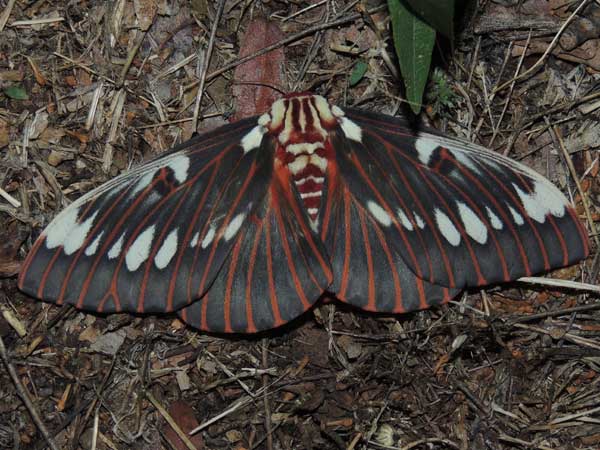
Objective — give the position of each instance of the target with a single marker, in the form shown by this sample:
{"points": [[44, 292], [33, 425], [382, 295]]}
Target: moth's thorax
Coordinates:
{"points": [[301, 123]]}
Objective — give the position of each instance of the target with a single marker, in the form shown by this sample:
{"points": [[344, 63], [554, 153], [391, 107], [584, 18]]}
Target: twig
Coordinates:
{"points": [[560, 312], [6, 14], [130, 57], [243, 401], [304, 10], [509, 96], [288, 40], [559, 334], [13, 321], [9, 198], [549, 49], [566, 418], [180, 433], [102, 77], [117, 109], [584, 201], [206, 61], [265, 378], [561, 283], [25, 397], [526, 444], [225, 369], [94, 406], [417, 443], [21, 23]]}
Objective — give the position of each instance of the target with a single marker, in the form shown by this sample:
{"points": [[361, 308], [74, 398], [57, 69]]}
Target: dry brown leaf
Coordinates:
{"points": [[11, 75], [51, 135], [3, 133], [71, 80], [37, 73], [145, 11], [81, 136]]}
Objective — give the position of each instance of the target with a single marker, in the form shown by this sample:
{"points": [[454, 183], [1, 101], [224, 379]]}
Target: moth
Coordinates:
{"points": [[242, 229]]}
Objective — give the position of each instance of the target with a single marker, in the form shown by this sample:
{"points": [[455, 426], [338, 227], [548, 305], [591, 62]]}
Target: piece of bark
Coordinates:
{"points": [[183, 414], [251, 97]]}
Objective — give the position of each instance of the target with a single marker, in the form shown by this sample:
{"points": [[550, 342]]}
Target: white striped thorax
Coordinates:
{"points": [[301, 124]]}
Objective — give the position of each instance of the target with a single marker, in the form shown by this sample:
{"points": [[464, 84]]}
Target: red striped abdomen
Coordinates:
{"points": [[301, 124]]}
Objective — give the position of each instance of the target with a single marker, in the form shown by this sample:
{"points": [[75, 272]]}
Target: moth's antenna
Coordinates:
{"points": [[262, 83]]}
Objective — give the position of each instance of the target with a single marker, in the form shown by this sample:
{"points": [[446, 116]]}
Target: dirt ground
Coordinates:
{"points": [[91, 88]]}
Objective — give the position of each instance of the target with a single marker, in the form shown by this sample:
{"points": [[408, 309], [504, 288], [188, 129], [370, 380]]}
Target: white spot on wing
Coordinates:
{"points": [[419, 220], [518, 218], [180, 165], [473, 224], [140, 249], [464, 159], [494, 219], [234, 226], [210, 235], [253, 138], [337, 111], [115, 250], [404, 220], [465, 152], [76, 237], [350, 129], [151, 199], [534, 209], [314, 225], [427, 143], [59, 229], [545, 199], [425, 147], [144, 182], [167, 250], [194, 240], [447, 228], [379, 213], [264, 119], [93, 247], [551, 197]]}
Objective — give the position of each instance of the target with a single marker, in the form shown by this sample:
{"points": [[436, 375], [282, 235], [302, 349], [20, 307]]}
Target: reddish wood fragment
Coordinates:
{"points": [[253, 98], [183, 414], [71, 80], [37, 73], [81, 136]]}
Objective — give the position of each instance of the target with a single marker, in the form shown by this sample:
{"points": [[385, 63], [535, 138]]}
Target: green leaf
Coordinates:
{"points": [[358, 72], [413, 40], [16, 93], [437, 13]]}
